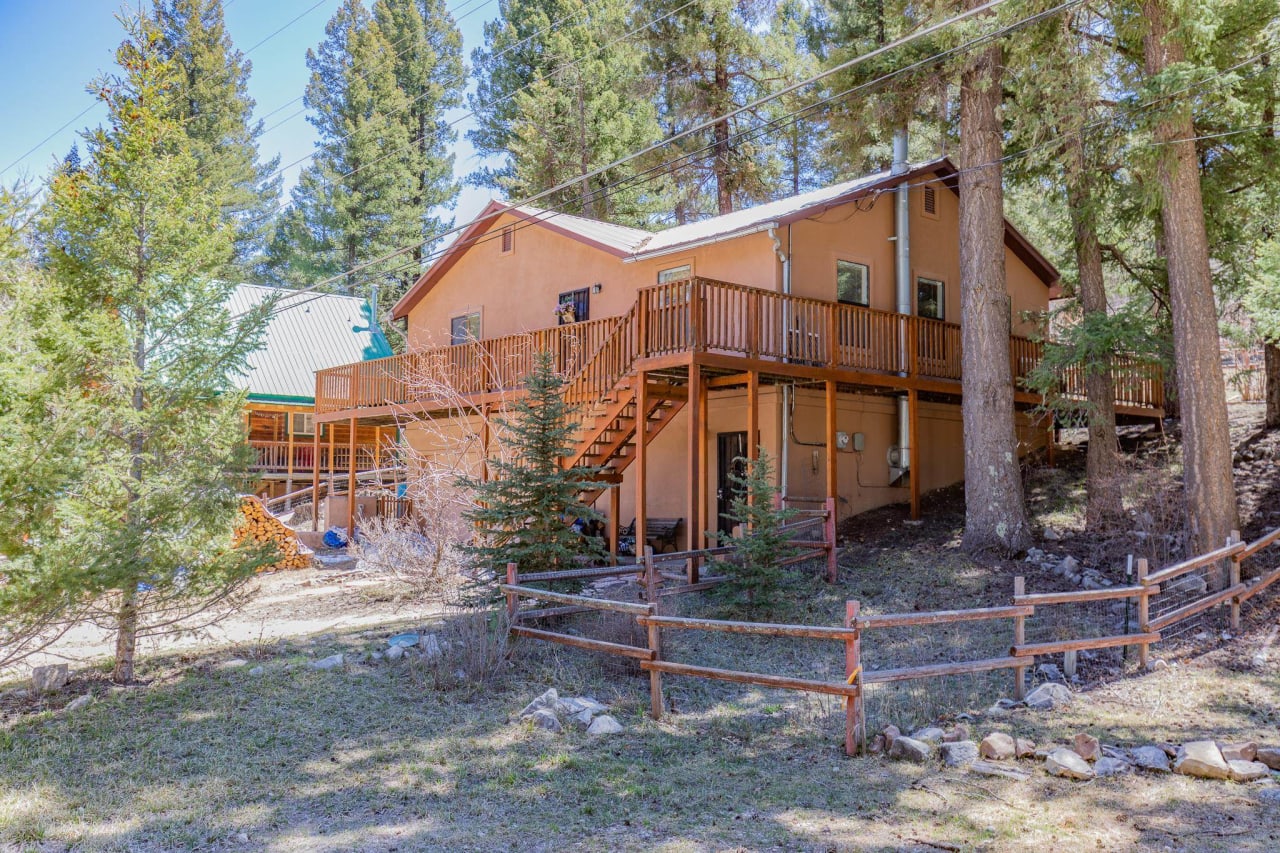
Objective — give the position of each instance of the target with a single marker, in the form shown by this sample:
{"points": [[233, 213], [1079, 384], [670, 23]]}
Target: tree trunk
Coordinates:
{"points": [[720, 132], [1271, 360], [1206, 438], [995, 513], [1104, 497], [126, 639]]}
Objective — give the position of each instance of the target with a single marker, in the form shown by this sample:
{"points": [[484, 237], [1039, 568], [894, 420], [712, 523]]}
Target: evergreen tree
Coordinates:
{"points": [[755, 569], [139, 524], [213, 106], [560, 101], [380, 168], [524, 513]]}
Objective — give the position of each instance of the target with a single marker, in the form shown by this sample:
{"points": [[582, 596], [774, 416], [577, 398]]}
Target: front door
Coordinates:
{"points": [[731, 452]]}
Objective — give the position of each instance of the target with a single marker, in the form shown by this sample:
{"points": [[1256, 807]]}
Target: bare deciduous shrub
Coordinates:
{"points": [[472, 650], [413, 553]]}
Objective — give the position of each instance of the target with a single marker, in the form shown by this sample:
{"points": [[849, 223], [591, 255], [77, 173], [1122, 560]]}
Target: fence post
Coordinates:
{"points": [[655, 634], [512, 602], [1019, 638], [1144, 609], [1233, 581], [829, 532], [854, 722]]}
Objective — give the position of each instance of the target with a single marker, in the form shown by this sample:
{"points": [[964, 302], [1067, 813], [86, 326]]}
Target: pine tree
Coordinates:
{"points": [[525, 512], [560, 101], [140, 524], [213, 106], [755, 570], [375, 180]]}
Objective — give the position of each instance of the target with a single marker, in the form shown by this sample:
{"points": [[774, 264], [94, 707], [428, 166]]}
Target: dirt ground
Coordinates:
{"points": [[234, 742]]}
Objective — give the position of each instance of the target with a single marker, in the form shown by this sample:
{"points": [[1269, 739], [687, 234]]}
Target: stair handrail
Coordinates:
{"points": [[602, 371]]}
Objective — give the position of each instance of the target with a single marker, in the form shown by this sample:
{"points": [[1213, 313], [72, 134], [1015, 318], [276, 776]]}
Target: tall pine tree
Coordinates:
{"points": [[140, 524], [213, 106]]}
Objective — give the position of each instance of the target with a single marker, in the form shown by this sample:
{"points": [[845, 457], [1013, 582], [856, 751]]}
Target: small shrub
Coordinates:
{"points": [[397, 548], [753, 570]]}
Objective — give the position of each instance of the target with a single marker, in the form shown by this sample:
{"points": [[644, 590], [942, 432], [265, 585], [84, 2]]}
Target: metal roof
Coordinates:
{"points": [[307, 332]]}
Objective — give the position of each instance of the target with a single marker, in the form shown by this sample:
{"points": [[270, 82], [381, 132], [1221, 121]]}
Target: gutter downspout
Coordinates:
{"points": [[784, 464], [902, 278]]}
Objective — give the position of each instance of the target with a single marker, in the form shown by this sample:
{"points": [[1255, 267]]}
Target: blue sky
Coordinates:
{"points": [[51, 49]]}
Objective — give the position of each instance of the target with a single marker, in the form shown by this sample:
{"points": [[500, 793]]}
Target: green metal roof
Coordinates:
{"points": [[307, 332]]}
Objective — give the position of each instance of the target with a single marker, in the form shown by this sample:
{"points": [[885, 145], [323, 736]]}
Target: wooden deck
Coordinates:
{"points": [[725, 329]]}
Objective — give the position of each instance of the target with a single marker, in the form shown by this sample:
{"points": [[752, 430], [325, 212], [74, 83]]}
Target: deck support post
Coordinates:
{"points": [[615, 495], [913, 448], [288, 476], [704, 466], [315, 477], [833, 474], [696, 440], [351, 482], [642, 462], [753, 415]]}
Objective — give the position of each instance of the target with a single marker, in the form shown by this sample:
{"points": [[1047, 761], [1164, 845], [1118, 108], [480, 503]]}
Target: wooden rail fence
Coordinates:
{"points": [[859, 630]]}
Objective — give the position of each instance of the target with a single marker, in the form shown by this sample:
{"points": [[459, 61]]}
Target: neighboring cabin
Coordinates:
{"points": [[306, 332], [779, 320]]}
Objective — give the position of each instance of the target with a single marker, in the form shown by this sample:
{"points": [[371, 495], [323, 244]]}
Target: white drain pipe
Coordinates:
{"points": [[902, 269]]}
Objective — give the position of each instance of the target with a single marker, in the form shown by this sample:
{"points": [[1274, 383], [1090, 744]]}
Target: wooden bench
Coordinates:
{"points": [[661, 533]]}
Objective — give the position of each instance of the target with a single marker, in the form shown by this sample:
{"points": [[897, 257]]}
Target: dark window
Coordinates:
{"points": [[464, 329], [931, 298], [574, 306], [508, 238], [853, 283], [675, 274], [931, 201]]}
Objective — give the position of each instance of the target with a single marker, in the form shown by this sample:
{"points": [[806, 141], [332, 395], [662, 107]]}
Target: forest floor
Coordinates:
{"points": [[243, 745]]}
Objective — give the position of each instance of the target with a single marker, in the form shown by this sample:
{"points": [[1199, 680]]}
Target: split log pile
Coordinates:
{"points": [[260, 527]]}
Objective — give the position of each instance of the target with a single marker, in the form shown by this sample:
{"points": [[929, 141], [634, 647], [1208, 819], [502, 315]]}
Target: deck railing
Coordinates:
{"points": [[697, 315], [273, 457]]}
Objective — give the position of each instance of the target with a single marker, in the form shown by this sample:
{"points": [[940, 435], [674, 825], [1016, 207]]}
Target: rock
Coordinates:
{"points": [[1024, 747], [1247, 771], [1201, 759], [910, 749], [956, 733], [377, 657], [582, 719], [1086, 746], [430, 645], [1156, 664], [394, 653], [1070, 565], [1269, 796], [876, 747], [998, 746], [1050, 671], [545, 719], [1046, 697], [1051, 535], [929, 734], [80, 702], [546, 701], [1270, 756], [890, 733], [604, 725], [1108, 766], [235, 663], [1239, 751], [331, 662], [354, 658], [1067, 764], [996, 712], [257, 670], [986, 768], [46, 679], [958, 753], [571, 705]]}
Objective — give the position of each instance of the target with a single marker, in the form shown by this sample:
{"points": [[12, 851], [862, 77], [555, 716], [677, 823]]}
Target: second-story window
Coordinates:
{"points": [[573, 306], [675, 273], [931, 298], [464, 328], [853, 283]]}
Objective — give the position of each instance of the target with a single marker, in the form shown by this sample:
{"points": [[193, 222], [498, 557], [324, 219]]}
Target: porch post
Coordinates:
{"points": [[913, 468], [695, 476], [753, 415], [704, 466], [641, 463], [351, 482], [615, 495], [288, 477], [315, 476], [832, 468]]}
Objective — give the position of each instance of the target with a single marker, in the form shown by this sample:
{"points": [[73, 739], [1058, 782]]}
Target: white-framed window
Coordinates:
{"points": [[464, 328], [931, 296], [304, 423], [853, 283], [675, 273]]}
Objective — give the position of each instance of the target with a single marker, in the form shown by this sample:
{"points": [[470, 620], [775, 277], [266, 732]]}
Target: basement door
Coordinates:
{"points": [[731, 453]]}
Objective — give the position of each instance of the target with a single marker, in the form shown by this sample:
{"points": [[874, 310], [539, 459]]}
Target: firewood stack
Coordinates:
{"points": [[261, 527]]}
